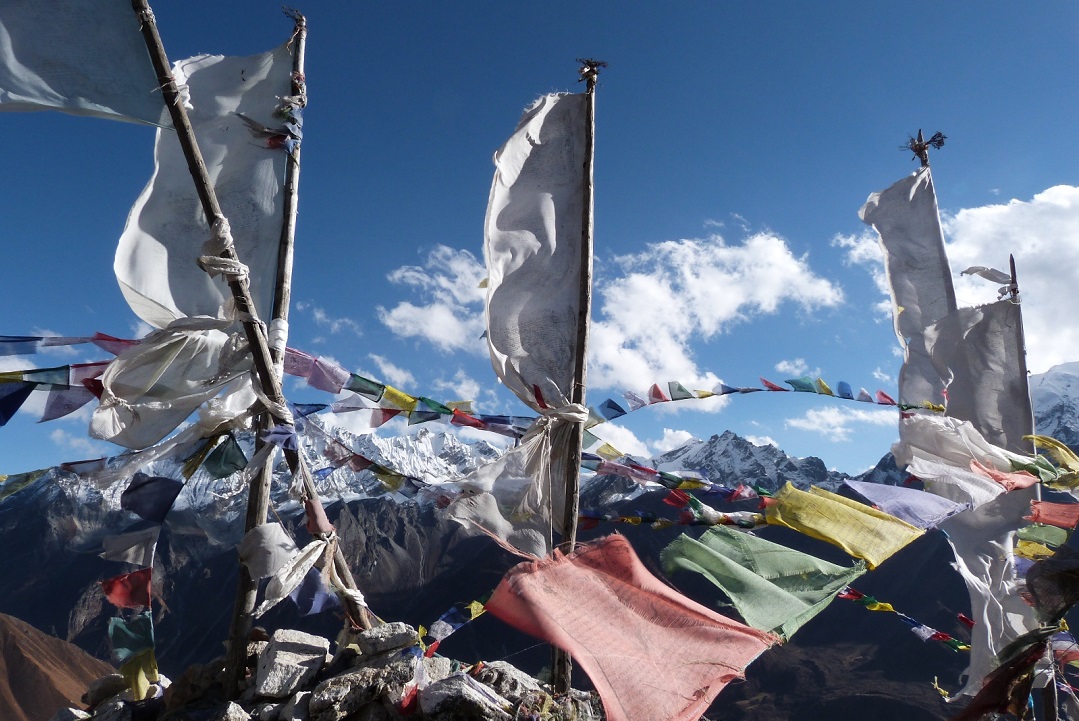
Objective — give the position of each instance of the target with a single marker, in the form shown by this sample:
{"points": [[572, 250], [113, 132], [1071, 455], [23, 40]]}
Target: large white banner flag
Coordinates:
{"points": [[84, 57], [906, 217], [533, 250], [976, 352], [156, 258]]}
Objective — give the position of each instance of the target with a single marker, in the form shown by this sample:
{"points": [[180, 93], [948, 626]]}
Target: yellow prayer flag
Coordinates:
{"points": [[860, 530], [1060, 452], [880, 607], [139, 672], [11, 377], [475, 610], [1033, 551], [704, 394], [393, 398], [823, 388], [609, 452], [463, 406]]}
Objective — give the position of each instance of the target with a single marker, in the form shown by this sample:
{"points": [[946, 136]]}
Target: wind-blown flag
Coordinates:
{"points": [[85, 57], [977, 351], [773, 587], [156, 258], [651, 652], [533, 251], [906, 217]]}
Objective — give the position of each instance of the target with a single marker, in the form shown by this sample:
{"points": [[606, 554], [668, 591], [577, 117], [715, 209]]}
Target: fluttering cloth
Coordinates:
{"points": [[919, 278], [651, 653], [155, 260], [860, 530], [83, 57], [774, 588], [924, 510]]}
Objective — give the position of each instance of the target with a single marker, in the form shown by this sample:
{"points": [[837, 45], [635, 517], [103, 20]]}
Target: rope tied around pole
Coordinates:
{"points": [[920, 146]]}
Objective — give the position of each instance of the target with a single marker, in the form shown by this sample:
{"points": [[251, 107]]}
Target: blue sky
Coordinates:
{"points": [[735, 145]]}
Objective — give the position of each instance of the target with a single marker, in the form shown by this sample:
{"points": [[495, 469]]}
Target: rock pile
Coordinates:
{"points": [[376, 675]]}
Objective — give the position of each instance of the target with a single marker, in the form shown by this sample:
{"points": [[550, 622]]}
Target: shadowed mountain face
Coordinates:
{"points": [[40, 673], [413, 564]]}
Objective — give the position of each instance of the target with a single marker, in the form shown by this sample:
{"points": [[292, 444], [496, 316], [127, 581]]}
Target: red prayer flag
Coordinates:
{"points": [[884, 399], [1061, 515], [130, 590], [463, 419], [772, 386], [656, 394]]}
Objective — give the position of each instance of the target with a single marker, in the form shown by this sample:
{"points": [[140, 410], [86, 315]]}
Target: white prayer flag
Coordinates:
{"points": [[976, 352], [906, 217], [135, 547], [84, 57], [156, 258], [533, 250]]}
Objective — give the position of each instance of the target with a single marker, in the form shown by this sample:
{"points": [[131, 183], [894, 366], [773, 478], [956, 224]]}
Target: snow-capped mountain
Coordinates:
{"points": [[1055, 397]]}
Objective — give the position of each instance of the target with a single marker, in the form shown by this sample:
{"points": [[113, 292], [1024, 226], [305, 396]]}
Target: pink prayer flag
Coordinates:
{"points": [[298, 363], [82, 372], [772, 386], [651, 652], [1061, 515], [656, 394], [328, 376], [884, 399], [1011, 480]]}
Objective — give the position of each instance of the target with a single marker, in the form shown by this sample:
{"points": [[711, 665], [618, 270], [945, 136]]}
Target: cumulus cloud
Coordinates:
{"points": [[679, 292], [837, 423], [450, 310], [1041, 234], [881, 376], [796, 367], [762, 441], [325, 320], [622, 438], [864, 250], [671, 439], [78, 444], [393, 374]]}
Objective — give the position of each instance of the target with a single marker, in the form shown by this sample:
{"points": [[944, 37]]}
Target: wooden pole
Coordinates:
{"points": [[253, 329], [562, 664]]}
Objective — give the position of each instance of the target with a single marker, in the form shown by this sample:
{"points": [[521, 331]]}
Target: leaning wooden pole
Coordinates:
{"points": [[562, 664], [245, 307]]}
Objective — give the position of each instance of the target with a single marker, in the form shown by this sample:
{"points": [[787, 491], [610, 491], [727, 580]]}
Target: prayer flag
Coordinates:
{"points": [[532, 248], [18, 344], [918, 508], [823, 388], [65, 401], [399, 400], [884, 399], [136, 547], [772, 386], [129, 590], [864, 397], [773, 587], [139, 672], [611, 410], [312, 596], [656, 394], [366, 388], [843, 390], [1048, 535], [919, 278], [82, 58], [265, 549], [634, 400], [129, 638], [328, 376], [150, 497], [860, 530], [1054, 584], [226, 459], [804, 384], [463, 419], [12, 396], [651, 652], [156, 257], [1063, 515], [678, 392], [298, 363], [10, 485]]}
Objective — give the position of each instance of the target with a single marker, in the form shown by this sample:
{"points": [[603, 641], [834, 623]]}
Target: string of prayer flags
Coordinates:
{"points": [[447, 623], [150, 497], [129, 590], [926, 633], [12, 396], [860, 530], [1062, 515], [590, 518], [651, 652], [774, 588], [1007, 687], [918, 508]]}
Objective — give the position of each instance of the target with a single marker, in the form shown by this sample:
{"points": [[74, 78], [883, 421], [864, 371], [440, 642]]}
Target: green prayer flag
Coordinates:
{"points": [[226, 459], [678, 391], [773, 587], [1047, 535], [366, 388], [804, 384]]}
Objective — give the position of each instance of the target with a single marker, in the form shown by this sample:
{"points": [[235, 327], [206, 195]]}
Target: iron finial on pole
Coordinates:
{"points": [[920, 146]]}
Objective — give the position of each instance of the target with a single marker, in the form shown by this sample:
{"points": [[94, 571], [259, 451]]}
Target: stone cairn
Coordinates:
{"points": [[374, 676]]}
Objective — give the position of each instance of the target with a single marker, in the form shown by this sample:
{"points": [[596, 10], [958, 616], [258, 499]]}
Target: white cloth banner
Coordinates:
{"points": [[919, 278], [83, 57], [155, 259], [977, 352], [266, 549], [154, 386], [135, 547], [533, 250]]}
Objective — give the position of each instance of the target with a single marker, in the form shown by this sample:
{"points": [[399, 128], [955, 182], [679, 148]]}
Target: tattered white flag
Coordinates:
{"points": [[83, 57], [156, 258]]}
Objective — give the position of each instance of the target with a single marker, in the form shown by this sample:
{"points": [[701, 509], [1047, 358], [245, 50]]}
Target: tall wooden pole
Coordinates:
{"points": [[245, 306], [562, 664]]}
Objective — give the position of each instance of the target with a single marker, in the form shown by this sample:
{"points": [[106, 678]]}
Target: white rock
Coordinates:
{"points": [[290, 659]]}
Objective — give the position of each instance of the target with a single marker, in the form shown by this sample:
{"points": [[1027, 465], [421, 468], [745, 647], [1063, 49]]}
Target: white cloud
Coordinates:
{"points": [[796, 367], [324, 320], [1041, 234], [450, 314], [393, 374], [671, 439], [762, 441], [678, 292], [622, 438], [881, 376], [837, 423], [864, 250], [77, 444]]}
